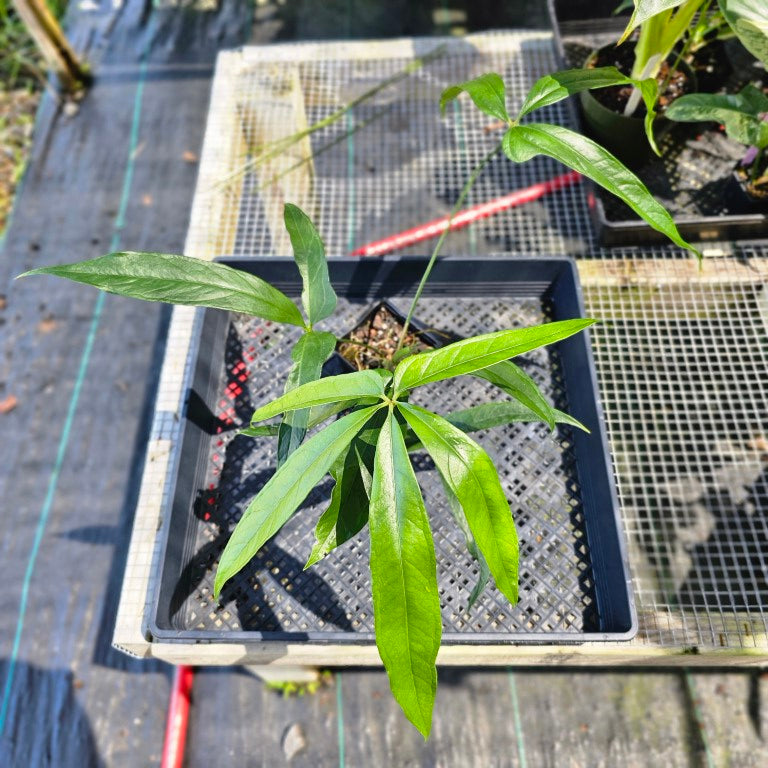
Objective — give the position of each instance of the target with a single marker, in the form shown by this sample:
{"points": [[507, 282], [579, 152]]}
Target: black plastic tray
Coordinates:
{"points": [[583, 20], [574, 583]]}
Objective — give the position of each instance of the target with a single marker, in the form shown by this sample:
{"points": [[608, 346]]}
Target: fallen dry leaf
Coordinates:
{"points": [[8, 404], [189, 157], [146, 200], [47, 324]]}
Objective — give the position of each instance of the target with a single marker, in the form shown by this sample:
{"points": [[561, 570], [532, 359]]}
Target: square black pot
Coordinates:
{"points": [[574, 582]]}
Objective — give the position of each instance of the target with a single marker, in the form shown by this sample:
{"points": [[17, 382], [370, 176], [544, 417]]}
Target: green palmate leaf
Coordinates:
{"points": [[406, 603], [180, 280], [308, 355], [487, 91], [741, 113], [360, 385], [515, 382], [646, 9], [347, 512], [498, 414], [469, 472], [285, 491], [469, 355], [484, 572], [318, 296], [523, 142], [749, 20]]}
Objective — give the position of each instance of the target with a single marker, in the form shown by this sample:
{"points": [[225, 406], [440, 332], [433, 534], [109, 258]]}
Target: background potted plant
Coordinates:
{"points": [[745, 118]]}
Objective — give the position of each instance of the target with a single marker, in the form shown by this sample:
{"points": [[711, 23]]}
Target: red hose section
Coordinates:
{"points": [[467, 216], [178, 717]]}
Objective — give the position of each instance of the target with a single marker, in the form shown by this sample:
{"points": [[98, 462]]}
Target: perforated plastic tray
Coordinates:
{"points": [[692, 178], [574, 583]]}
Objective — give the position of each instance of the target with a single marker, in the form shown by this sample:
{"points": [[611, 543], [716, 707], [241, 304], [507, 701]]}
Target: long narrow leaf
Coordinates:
{"points": [[511, 379], [523, 142], [484, 572], [334, 389], [498, 414], [406, 603], [469, 355], [285, 491], [347, 512], [469, 472], [308, 355], [318, 296], [180, 280]]}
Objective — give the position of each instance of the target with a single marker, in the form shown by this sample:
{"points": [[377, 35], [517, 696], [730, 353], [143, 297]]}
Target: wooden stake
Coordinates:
{"points": [[52, 44]]}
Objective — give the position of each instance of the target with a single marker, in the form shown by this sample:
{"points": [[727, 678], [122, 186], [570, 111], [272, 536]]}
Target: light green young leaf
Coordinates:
{"points": [[741, 113], [263, 430], [559, 85], [285, 491], [484, 572], [308, 355], [511, 379], [359, 385], [646, 9], [523, 142], [487, 91], [318, 296], [406, 604], [180, 280], [347, 512], [749, 20], [469, 472], [469, 355]]}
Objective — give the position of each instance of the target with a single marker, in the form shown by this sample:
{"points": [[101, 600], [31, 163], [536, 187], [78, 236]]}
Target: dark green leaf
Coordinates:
{"points": [[469, 472], [347, 512], [318, 296], [515, 382], [484, 572], [285, 491], [180, 280], [360, 385], [487, 91], [469, 355], [308, 355], [406, 603], [741, 113], [523, 142], [749, 20]]}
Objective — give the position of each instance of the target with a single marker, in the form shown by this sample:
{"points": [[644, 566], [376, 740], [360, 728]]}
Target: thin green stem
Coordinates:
{"points": [[433, 258], [276, 148]]}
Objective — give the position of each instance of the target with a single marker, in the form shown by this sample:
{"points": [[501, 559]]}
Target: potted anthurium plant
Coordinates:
{"points": [[362, 425], [744, 116], [669, 34]]}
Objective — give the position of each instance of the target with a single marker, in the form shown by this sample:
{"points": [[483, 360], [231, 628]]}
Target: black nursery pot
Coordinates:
{"points": [[624, 136], [739, 198]]}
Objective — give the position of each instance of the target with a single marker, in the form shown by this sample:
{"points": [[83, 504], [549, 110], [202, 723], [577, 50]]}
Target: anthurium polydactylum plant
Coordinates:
{"points": [[362, 426]]}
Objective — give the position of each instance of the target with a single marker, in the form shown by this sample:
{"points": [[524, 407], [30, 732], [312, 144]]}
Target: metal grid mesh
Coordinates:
{"points": [[681, 355], [683, 370], [273, 594], [404, 165]]}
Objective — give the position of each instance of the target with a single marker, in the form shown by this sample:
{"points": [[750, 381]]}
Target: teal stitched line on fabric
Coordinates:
{"points": [[340, 719], [73, 402], [697, 717], [516, 718]]}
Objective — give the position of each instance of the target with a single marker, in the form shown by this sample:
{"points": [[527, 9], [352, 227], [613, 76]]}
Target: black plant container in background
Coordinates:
{"points": [[574, 581], [706, 208]]}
